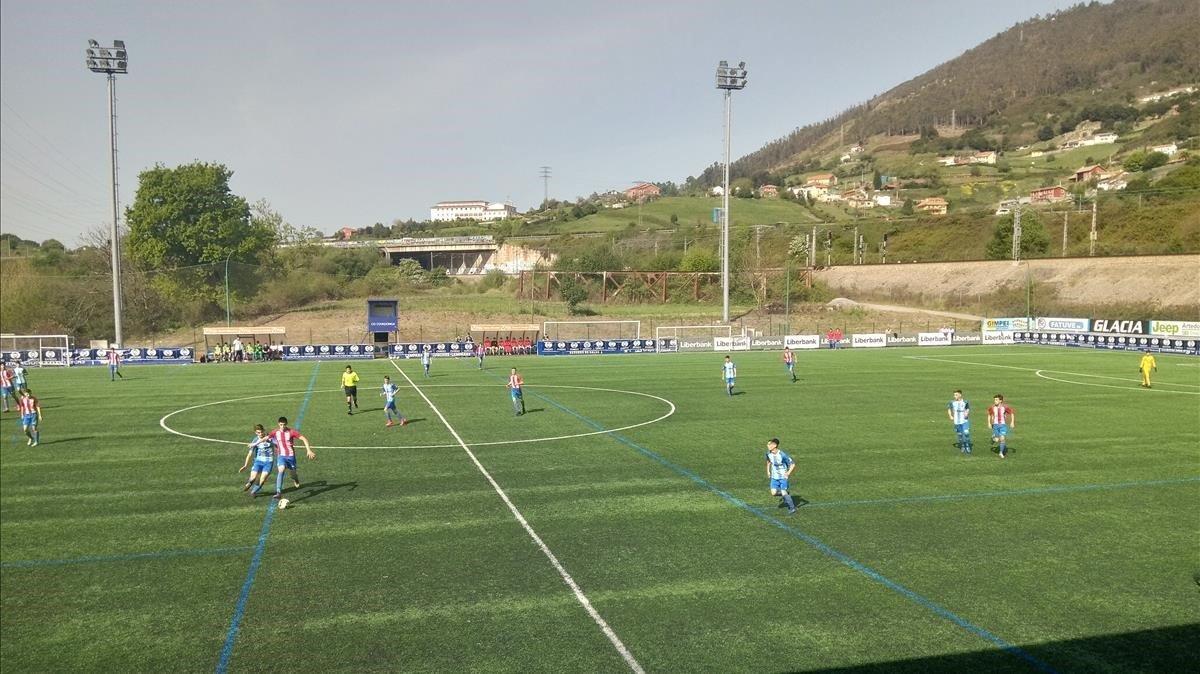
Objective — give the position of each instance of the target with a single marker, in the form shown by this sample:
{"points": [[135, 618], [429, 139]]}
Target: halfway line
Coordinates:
{"points": [[579, 595], [244, 596]]}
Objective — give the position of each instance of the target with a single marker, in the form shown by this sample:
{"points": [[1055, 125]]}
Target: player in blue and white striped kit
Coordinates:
{"points": [[389, 405], [262, 449], [959, 411], [729, 374], [779, 470]]}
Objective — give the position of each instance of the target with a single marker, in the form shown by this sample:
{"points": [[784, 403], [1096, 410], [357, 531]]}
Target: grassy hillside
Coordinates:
{"points": [[1048, 67]]}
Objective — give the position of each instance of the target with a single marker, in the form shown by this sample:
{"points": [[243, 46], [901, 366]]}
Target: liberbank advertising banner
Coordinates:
{"points": [[933, 338], [731, 343], [802, 341], [436, 349], [869, 340], [328, 351], [1115, 342], [606, 346]]}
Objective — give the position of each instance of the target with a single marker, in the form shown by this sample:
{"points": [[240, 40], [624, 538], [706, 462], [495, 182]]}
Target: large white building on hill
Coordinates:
{"points": [[448, 211]]}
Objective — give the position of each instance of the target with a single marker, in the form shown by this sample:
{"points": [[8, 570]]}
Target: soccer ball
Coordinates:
{"points": [[283, 503]]}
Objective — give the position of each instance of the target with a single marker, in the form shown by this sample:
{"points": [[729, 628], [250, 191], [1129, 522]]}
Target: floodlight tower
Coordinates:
{"points": [[729, 78], [112, 61]]}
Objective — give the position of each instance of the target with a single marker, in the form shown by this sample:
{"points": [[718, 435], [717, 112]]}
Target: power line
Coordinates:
{"points": [[71, 165], [30, 169]]}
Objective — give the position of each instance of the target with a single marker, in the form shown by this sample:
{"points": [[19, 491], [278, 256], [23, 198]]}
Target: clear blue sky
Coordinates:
{"points": [[352, 113]]}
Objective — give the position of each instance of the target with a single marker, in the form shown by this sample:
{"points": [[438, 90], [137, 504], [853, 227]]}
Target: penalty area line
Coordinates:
{"points": [[558, 566]]}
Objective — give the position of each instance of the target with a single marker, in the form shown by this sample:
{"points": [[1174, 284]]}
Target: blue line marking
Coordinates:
{"points": [[1054, 489], [816, 543], [101, 559], [244, 595]]}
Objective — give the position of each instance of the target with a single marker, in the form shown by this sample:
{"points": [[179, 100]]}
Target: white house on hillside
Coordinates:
{"points": [[449, 211]]}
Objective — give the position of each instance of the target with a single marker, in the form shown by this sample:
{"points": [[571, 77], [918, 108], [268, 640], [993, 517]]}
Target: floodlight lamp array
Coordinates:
{"points": [[731, 77], [114, 59]]}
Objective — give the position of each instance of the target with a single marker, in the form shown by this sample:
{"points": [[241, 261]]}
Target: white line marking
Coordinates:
{"points": [[1039, 372], [163, 421], [579, 595], [1123, 388]]}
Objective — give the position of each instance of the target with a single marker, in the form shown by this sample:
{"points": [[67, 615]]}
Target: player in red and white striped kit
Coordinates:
{"points": [[114, 365], [284, 438], [31, 415]]}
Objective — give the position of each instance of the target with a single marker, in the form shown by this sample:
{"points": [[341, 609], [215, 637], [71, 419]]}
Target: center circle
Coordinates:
{"points": [[163, 421]]}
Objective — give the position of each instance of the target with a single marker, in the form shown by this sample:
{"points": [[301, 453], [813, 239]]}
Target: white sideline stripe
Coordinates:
{"points": [[1040, 373], [1036, 370], [579, 595]]}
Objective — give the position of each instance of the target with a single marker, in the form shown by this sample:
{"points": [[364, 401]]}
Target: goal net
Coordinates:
{"points": [[36, 350], [689, 337], [568, 330]]}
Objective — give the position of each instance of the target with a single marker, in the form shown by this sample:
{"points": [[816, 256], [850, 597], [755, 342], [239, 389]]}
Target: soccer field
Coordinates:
{"points": [[622, 524]]}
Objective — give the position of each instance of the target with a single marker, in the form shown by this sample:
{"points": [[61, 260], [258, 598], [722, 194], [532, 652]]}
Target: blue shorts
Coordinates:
{"points": [[1000, 430], [964, 427], [729, 381], [6, 390], [288, 462], [515, 393], [29, 419], [112, 368], [390, 405], [779, 484], [790, 366], [262, 466]]}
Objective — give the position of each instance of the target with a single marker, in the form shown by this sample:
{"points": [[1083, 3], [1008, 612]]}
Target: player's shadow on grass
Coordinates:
{"points": [[800, 502], [535, 409], [314, 489], [56, 441]]}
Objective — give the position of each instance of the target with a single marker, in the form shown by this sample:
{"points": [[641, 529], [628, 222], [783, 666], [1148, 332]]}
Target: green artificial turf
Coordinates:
{"points": [[126, 547]]}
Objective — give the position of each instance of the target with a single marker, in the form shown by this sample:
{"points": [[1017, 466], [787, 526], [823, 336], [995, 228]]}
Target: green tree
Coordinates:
{"points": [[907, 208], [1135, 162], [188, 216], [1045, 133], [698, 258], [573, 293], [1154, 160], [1034, 240]]}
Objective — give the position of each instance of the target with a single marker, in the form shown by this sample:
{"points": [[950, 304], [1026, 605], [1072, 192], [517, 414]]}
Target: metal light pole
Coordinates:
{"points": [[1016, 235], [728, 80], [112, 61], [227, 321]]}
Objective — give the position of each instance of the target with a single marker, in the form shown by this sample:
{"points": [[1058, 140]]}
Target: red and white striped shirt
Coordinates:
{"points": [[283, 440], [515, 381], [27, 405], [5, 378], [789, 357], [114, 358], [997, 414]]}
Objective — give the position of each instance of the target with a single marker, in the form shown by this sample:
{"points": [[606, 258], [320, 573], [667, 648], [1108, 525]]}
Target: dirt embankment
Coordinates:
{"points": [[1156, 281]]}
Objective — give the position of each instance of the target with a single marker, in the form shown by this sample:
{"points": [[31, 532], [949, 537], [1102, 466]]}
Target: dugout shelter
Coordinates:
{"points": [[506, 338], [267, 335]]}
